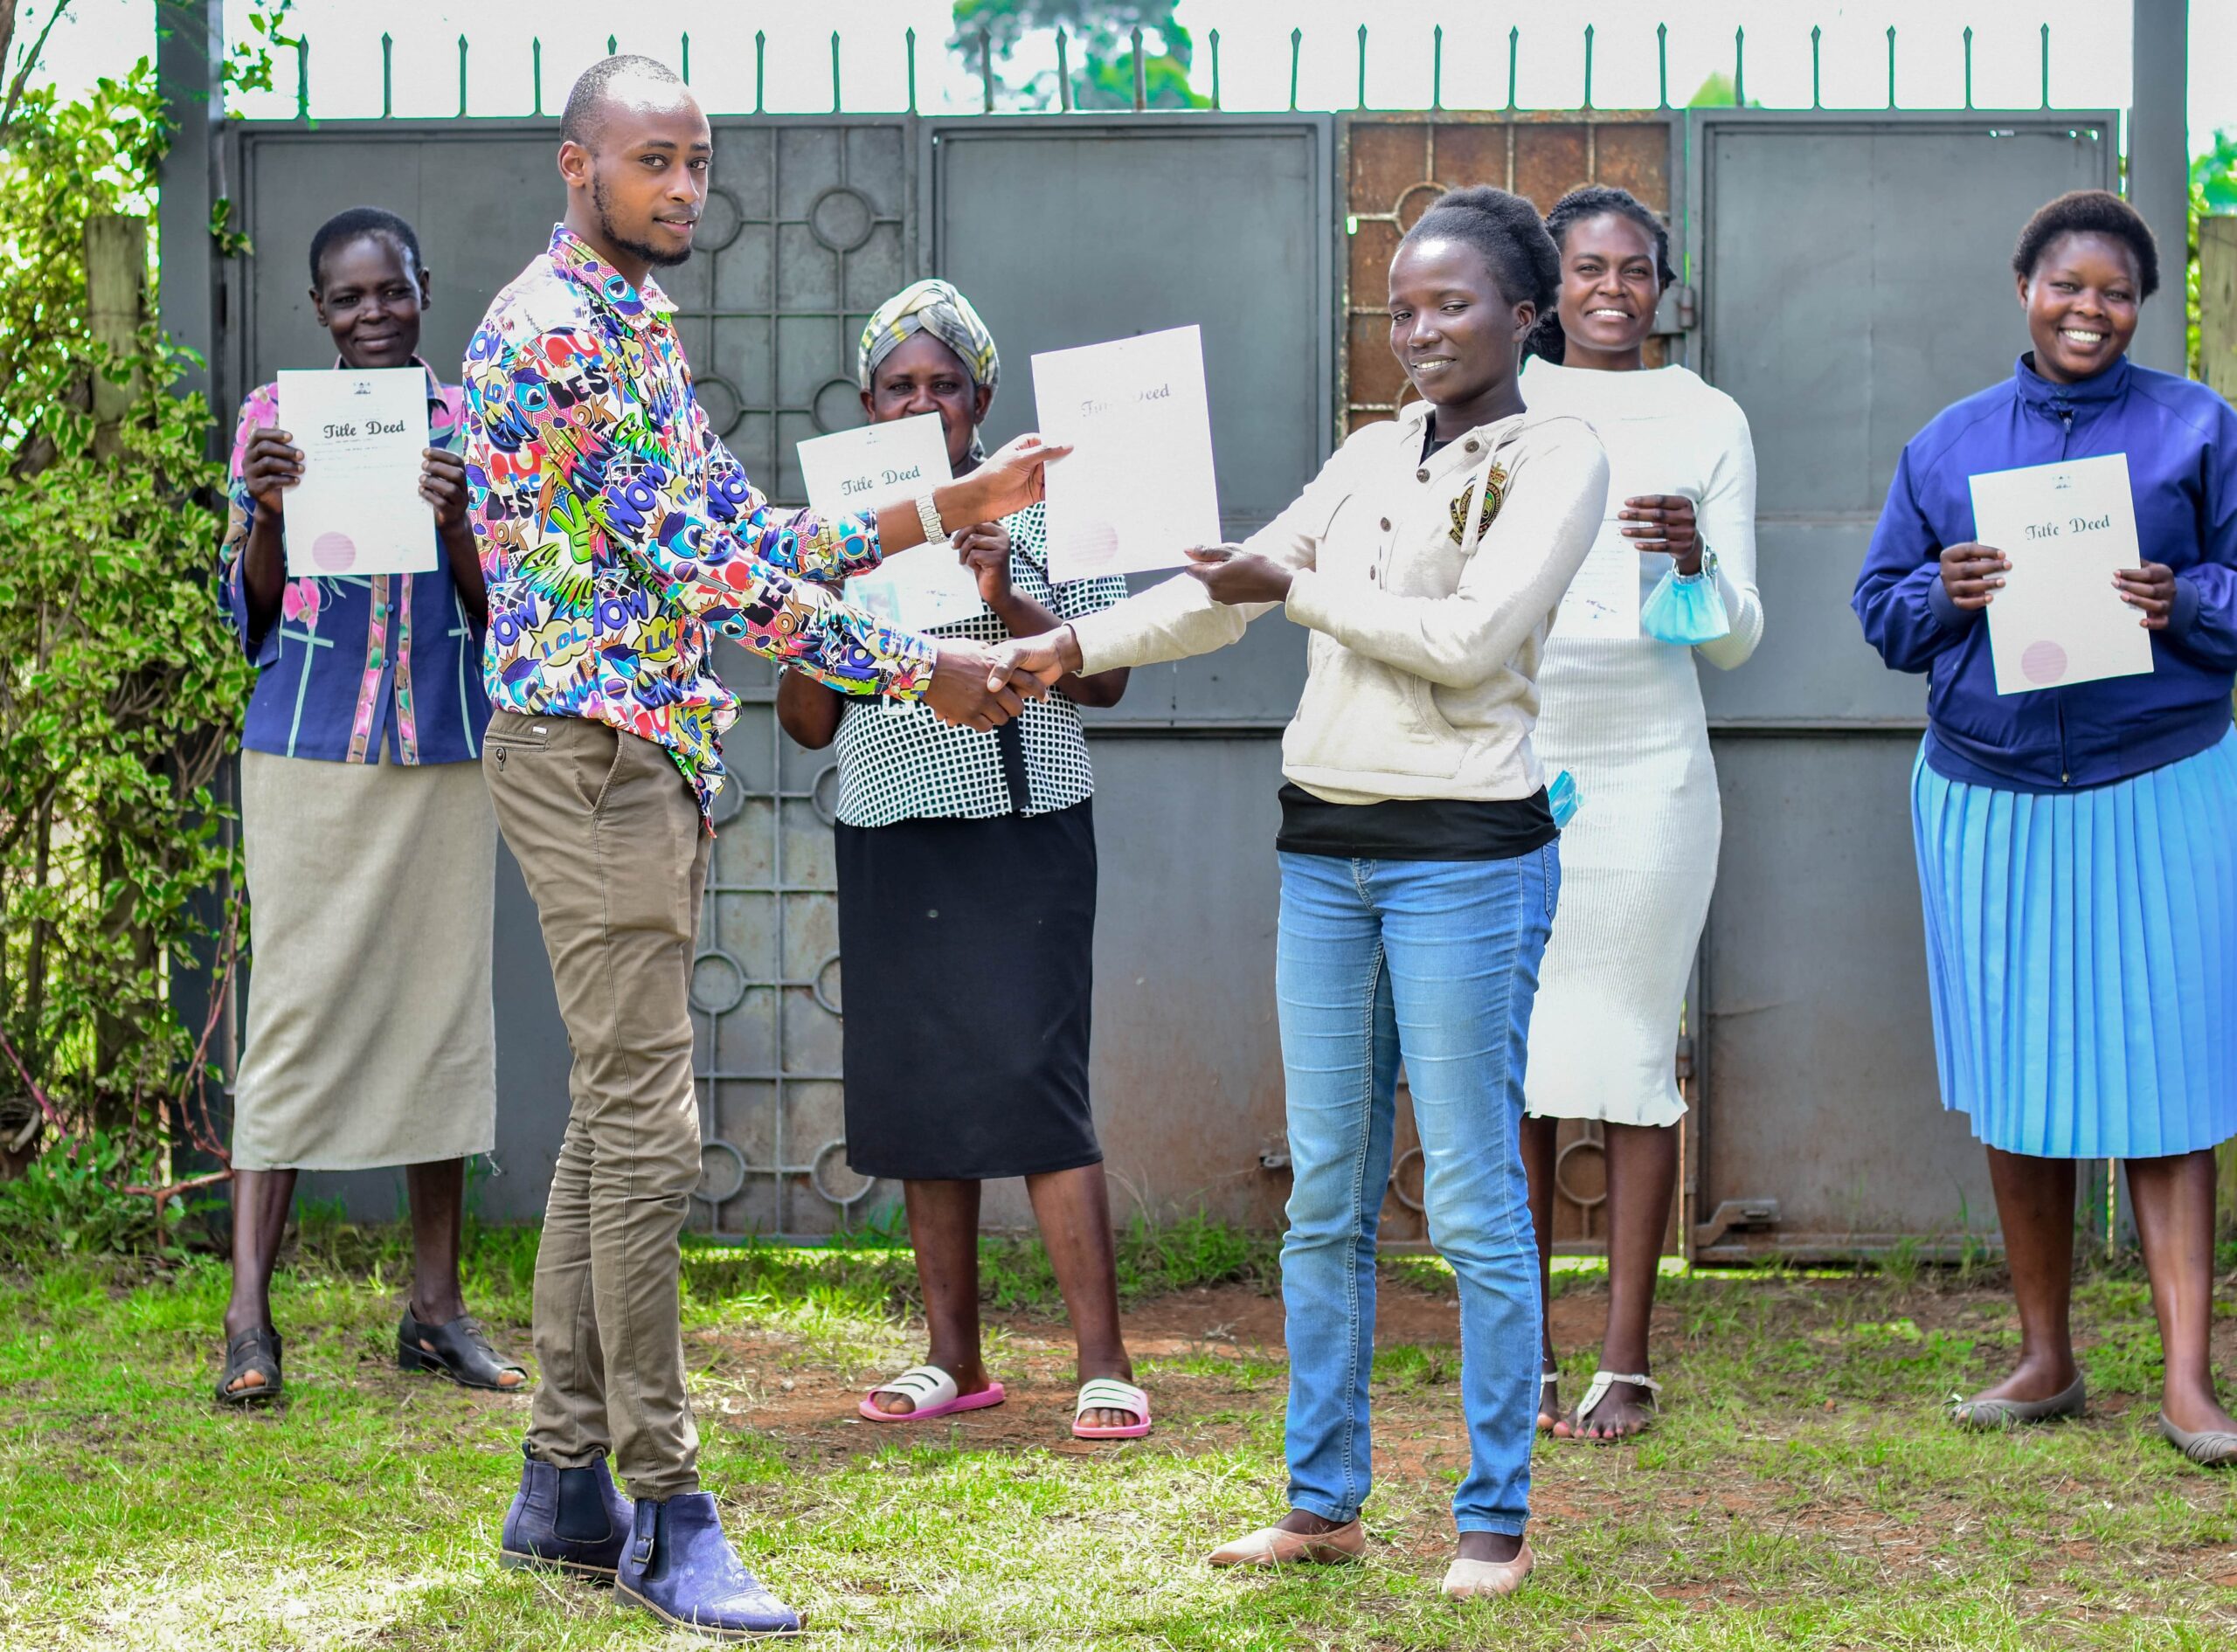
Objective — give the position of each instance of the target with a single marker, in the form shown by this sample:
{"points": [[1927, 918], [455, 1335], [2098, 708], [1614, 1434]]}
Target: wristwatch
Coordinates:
{"points": [[929, 515], [1707, 570]]}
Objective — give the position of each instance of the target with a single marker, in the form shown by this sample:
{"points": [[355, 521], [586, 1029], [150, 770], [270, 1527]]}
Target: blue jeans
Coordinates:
{"points": [[1436, 962]]}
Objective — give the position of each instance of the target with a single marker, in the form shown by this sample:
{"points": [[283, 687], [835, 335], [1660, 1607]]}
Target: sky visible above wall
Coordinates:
{"points": [[2089, 67]]}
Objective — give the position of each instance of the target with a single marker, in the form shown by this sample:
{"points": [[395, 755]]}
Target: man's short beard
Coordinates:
{"points": [[652, 255]]}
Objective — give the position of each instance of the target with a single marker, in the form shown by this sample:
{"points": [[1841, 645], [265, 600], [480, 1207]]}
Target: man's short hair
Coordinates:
{"points": [[584, 117]]}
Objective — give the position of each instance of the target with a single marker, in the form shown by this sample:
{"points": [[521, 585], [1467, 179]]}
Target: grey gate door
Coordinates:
{"points": [[1072, 229], [811, 223], [1856, 280]]}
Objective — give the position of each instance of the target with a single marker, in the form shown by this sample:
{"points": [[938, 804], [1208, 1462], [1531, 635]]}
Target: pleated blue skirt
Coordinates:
{"points": [[2081, 953]]}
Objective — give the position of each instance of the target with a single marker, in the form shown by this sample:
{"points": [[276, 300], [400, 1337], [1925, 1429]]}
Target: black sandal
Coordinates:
{"points": [[255, 1349], [459, 1351]]}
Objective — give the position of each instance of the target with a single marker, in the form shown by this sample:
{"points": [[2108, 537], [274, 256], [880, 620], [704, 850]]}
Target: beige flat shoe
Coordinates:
{"points": [[1275, 1548], [1466, 1579]]}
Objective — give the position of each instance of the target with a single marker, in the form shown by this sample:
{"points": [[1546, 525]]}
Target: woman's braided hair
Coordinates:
{"points": [[1547, 339]]}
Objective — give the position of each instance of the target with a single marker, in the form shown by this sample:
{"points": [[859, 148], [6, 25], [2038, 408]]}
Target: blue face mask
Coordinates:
{"points": [[1687, 611], [1562, 798]]}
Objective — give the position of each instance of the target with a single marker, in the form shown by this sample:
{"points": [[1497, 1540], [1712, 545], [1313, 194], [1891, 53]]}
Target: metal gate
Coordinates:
{"points": [[1856, 280], [1850, 269], [810, 223]]}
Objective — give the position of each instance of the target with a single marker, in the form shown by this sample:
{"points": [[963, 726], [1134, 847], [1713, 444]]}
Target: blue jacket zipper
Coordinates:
{"points": [[2058, 705]]}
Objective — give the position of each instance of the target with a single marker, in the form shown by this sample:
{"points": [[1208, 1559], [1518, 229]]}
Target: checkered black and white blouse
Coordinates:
{"points": [[898, 761]]}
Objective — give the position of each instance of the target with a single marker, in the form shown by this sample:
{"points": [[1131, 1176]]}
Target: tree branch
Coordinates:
{"points": [[31, 59]]}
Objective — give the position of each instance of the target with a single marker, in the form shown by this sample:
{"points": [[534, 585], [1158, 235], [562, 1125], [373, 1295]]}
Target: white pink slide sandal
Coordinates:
{"points": [[1108, 1393], [933, 1393]]}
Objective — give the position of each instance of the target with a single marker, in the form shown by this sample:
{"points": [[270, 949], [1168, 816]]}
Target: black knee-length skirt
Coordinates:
{"points": [[966, 949]]}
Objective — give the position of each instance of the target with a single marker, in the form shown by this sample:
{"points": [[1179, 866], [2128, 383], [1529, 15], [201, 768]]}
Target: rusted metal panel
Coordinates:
{"points": [[1395, 166]]}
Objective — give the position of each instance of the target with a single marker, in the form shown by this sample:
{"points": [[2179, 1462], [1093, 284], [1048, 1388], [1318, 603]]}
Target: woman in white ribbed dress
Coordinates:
{"points": [[1621, 710]]}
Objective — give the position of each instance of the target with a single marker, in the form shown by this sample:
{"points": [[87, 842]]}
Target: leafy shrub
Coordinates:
{"points": [[69, 1204]]}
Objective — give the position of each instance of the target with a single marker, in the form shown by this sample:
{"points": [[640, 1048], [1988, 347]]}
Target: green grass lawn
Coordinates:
{"points": [[1803, 1490]]}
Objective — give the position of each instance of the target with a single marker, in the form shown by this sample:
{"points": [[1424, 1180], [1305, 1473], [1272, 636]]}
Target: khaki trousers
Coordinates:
{"points": [[609, 837]]}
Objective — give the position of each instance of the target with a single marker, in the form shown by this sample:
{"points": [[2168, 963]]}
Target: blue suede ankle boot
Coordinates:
{"points": [[570, 1518], [681, 1567]]}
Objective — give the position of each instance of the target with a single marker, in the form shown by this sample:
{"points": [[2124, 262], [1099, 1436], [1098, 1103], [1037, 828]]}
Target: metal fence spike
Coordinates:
{"points": [[1068, 91]]}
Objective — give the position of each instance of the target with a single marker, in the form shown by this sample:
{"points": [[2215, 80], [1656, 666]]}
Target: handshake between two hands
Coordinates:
{"points": [[976, 686]]}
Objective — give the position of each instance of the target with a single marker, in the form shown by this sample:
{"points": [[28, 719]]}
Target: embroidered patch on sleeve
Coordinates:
{"points": [[1497, 488]]}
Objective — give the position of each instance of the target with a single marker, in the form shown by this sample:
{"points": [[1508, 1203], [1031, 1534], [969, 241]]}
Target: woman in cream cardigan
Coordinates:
{"points": [[1419, 868]]}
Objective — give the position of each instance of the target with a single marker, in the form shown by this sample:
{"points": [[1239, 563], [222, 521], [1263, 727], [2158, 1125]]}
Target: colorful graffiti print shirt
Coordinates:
{"points": [[615, 527], [346, 651]]}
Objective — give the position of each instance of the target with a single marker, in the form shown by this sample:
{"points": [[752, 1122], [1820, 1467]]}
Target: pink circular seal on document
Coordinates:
{"points": [[333, 552], [2044, 661], [1090, 545]]}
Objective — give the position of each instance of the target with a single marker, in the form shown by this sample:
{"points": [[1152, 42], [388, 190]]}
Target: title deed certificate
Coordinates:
{"points": [[357, 509], [2065, 527], [861, 472], [1139, 489]]}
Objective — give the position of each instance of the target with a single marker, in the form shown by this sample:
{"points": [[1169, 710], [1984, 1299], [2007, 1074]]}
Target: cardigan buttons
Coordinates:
{"points": [[1422, 474], [1386, 524], [1471, 445]]}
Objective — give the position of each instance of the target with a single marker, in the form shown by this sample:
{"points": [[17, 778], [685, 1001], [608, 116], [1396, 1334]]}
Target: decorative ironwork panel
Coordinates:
{"points": [[809, 226]]}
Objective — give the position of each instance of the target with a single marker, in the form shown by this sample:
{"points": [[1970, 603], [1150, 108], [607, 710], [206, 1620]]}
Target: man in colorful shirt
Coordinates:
{"points": [[615, 528]]}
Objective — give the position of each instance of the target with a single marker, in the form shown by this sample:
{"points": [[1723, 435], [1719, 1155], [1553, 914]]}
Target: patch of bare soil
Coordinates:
{"points": [[808, 1408], [1244, 1320]]}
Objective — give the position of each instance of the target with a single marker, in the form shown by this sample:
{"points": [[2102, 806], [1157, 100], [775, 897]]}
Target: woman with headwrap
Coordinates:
{"points": [[967, 916]]}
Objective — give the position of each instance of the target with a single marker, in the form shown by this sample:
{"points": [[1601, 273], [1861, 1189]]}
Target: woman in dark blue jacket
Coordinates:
{"points": [[2077, 844]]}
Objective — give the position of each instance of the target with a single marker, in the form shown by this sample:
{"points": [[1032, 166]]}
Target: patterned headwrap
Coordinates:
{"points": [[931, 306]]}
